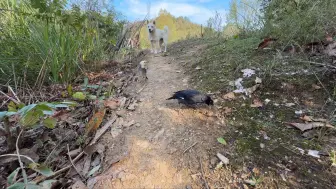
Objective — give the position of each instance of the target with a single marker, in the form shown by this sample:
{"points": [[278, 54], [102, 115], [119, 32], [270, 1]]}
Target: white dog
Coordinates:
{"points": [[157, 37]]}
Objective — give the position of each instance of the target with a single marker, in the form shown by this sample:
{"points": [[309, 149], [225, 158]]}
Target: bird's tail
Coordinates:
{"points": [[170, 98]]}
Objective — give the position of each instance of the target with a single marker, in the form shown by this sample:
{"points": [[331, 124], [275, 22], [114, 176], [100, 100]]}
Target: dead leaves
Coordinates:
{"points": [[229, 96], [257, 103], [311, 123], [95, 121], [112, 104]]}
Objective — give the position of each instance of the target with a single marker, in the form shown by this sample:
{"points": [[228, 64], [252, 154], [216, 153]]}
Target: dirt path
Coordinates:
{"points": [[152, 150]]}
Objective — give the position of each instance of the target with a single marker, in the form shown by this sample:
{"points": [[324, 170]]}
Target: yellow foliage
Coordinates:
{"points": [[179, 28]]}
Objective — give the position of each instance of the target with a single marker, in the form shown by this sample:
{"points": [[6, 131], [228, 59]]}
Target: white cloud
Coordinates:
{"points": [[196, 13]]}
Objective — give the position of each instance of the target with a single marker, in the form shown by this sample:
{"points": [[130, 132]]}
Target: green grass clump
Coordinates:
{"points": [[48, 42]]}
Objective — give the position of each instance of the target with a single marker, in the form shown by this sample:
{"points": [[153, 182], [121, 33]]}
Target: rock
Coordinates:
{"points": [[213, 161], [188, 187], [122, 102], [156, 137], [121, 113], [224, 159], [262, 145], [132, 106], [116, 132], [137, 125], [198, 68], [129, 123]]}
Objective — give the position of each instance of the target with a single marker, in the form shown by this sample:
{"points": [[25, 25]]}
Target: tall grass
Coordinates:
{"points": [[51, 46]]}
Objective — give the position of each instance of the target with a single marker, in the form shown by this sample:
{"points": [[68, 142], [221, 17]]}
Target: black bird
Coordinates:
{"points": [[191, 97]]}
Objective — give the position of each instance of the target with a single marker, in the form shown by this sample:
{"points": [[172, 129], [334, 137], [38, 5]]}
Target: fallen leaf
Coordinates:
{"points": [[221, 140], [95, 121], [11, 179], [90, 149], [256, 103], [289, 104], [79, 96], [196, 176], [306, 118], [267, 101], [258, 80], [316, 87], [314, 153], [112, 104], [95, 169], [229, 96], [102, 130], [227, 110], [312, 125], [224, 159], [79, 185], [49, 122], [251, 90], [256, 171], [250, 182], [42, 169]]}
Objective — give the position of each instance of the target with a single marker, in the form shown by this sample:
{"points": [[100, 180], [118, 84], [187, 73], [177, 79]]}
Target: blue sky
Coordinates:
{"points": [[198, 11]]}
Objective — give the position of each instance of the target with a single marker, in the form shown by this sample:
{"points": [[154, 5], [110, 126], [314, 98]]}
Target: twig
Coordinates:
{"points": [[6, 155], [72, 163], [320, 64], [24, 174], [10, 98], [202, 172], [52, 152], [41, 179], [100, 132], [189, 147], [10, 88], [142, 88]]}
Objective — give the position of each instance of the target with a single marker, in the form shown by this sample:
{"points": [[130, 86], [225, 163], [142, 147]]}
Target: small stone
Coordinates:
{"points": [[188, 187], [122, 102], [115, 132], [121, 113], [213, 161], [262, 145], [132, 106], [137, 125], [129, 123], [224, 159], [198, 68]]}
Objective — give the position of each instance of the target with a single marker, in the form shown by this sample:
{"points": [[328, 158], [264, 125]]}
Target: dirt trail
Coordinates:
{"points": [[152, 151]]}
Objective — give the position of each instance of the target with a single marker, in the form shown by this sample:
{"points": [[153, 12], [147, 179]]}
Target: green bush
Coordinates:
{"points": [[43, 38], [299, 21]]}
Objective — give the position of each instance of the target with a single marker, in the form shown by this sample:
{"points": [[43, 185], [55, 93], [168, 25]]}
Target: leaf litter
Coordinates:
{"points": [[66, 123]]}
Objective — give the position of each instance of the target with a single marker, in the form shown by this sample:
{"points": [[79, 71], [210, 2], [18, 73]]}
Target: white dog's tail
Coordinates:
{"points": [[165, 29]]}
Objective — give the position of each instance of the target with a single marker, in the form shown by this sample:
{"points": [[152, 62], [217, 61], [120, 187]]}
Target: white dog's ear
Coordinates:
{"points": [[154, 22]]}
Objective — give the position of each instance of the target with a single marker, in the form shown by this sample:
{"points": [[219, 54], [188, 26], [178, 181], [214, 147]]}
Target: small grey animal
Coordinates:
{"points": [[192, 97], [143, 69]]}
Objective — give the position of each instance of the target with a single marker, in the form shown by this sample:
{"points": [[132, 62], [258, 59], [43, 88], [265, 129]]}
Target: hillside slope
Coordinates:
{"points": [[179, 28]]}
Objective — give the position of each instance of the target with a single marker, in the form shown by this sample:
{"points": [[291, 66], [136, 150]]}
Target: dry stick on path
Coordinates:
{"points": [[24, 174], [202, 172], [189, 147], [73, 164], [41, 179]]}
